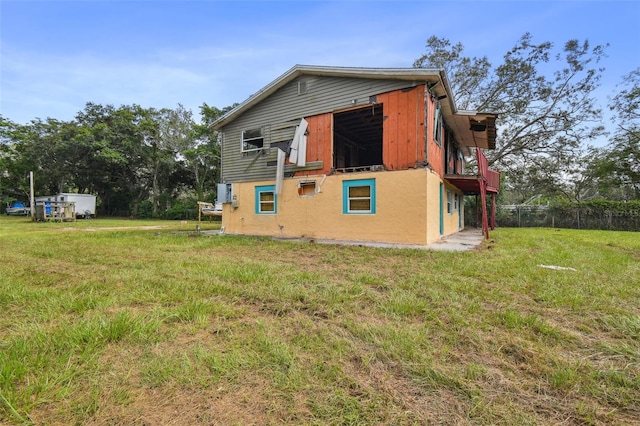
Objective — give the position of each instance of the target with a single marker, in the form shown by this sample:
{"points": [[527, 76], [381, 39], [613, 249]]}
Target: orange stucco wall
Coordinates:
{"points": [[407, 210]]}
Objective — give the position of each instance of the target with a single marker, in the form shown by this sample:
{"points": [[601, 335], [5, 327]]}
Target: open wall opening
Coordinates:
{"points": [[357, 139]]}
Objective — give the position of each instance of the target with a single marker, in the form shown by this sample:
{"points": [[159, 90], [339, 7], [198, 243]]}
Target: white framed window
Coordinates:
{"points": [[449, 201], [359, 196], [252, 140]]}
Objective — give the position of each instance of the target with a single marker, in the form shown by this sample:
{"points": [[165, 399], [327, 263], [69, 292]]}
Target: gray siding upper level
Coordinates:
{"points": [[279, 113]]}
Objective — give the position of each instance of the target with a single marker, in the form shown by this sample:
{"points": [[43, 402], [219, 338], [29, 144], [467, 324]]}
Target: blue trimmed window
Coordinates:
{"points": [[359, 196], [266, 199], [449, 202]]}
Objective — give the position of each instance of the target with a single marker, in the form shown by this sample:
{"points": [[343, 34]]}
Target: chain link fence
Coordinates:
{"points": [[604, 215], [572, 216]]}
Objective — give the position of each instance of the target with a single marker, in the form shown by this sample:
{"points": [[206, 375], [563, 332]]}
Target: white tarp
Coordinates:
{"points": [[298, 154], [280, 170]]}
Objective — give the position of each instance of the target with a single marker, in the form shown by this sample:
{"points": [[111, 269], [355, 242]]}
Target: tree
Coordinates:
{"points": [[128, 156], [557, 177], [117, 165], [626, 104], [13, 167], [46, 148], [203, 158], [618, 168], [539, 114]]}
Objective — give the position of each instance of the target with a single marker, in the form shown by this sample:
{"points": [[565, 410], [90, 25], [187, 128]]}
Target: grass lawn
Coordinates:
{"points": [[152, 324]]}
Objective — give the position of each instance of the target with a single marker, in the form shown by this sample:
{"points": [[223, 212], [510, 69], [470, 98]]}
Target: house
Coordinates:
{"points": [[355, 154]]}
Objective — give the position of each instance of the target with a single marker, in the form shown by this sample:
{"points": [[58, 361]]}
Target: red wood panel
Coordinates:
{"points": [[422, 126], [312, 148], [414, 114], [390, 130], [319, 140], [403, 128], [325, 128], [405, 132], [435, 152]]}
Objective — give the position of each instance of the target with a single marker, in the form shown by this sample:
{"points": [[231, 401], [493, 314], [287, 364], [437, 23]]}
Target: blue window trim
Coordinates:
{"points": [[459, 210], [266, 188], [346, 184]]}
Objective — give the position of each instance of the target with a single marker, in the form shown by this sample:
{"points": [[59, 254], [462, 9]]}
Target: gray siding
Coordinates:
{"points": [[278, 115]]}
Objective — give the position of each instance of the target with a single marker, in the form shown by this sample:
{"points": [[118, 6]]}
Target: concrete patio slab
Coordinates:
{"points": [[465, 240]]}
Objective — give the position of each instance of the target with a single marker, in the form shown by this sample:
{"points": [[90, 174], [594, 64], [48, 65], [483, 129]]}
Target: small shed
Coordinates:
{"points": [[57, 211]]}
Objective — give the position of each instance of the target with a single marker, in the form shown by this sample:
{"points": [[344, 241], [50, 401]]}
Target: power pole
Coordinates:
{"points": [[31, 199]]}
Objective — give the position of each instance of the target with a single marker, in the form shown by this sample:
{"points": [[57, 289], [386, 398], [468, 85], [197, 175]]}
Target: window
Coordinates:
{"points": [[252, 140], [357, 139], [266, 199], [302, 87], [437, 125], [307, 188], [455, 202], [449, 201], [359, 196]]}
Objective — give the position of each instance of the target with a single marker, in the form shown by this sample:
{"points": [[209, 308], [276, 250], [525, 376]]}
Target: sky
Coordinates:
{"points": [[57, 55]]}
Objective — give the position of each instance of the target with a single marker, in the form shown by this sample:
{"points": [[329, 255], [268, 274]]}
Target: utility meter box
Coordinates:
{"points": [[225, 192]]}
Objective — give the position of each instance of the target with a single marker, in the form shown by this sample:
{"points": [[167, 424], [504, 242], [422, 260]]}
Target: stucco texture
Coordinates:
{"points": [[407, 210]]}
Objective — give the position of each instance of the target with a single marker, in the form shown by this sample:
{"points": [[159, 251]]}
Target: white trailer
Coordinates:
{"points": [[84, 204]]}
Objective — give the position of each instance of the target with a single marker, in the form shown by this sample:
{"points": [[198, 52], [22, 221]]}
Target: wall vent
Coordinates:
{"points": [[302, 87], [308, 188]]}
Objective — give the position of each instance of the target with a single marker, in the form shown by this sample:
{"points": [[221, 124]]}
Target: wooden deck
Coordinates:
{"points": [[487, 181]]}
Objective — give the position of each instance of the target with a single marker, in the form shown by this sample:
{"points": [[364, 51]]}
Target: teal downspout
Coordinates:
{"points": [[441, 208]]}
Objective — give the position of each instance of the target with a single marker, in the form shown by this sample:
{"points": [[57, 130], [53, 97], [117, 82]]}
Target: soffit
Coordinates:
{"points": [[484, 135]]}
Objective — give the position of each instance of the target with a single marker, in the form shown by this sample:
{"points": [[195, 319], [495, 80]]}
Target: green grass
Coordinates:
{"points": [[146, 322]]}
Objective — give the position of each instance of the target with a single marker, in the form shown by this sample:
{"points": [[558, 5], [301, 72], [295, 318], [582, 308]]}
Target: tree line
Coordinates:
{"points": [[153, 162], [143, 162]]}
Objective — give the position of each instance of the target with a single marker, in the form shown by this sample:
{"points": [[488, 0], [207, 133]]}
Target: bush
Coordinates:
{"points": [[145, 210], [181, 210]]}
